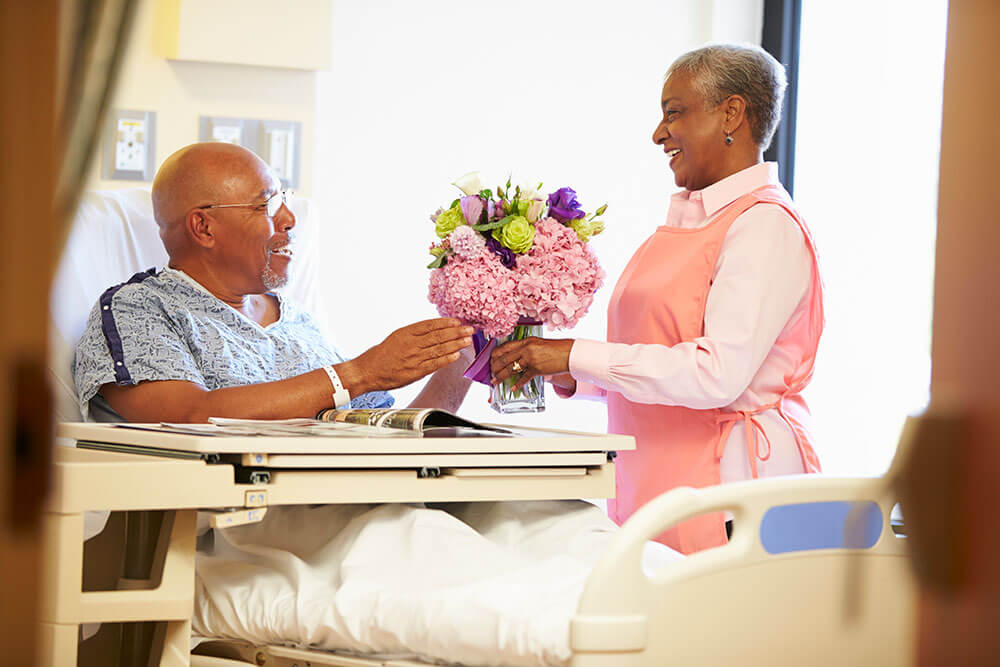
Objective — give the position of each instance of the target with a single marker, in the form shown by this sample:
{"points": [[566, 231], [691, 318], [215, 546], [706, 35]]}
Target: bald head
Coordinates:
{"points": [[202, 174]]}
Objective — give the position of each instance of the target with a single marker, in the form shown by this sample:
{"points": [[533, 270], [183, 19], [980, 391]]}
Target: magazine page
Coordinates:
{"points": [[286, 427], [410, 419]]}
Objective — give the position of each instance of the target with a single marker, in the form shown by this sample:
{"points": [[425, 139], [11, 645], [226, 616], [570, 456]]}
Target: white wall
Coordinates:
{"points": [[561, 91], [181, 91]]}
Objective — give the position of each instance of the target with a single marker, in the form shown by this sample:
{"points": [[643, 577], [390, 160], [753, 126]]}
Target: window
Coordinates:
{"points": [[867, 147]]}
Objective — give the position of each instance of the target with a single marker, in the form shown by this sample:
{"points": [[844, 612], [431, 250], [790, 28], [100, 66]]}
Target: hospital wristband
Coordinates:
{"points": [[341, 397]]}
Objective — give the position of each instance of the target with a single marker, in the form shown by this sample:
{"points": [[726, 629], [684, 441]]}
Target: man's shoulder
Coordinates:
{"points": [[151, 288], [139, 284]]}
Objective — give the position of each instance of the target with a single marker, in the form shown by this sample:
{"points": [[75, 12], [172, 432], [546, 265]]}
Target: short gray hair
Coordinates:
{"points": [[720, 70]]}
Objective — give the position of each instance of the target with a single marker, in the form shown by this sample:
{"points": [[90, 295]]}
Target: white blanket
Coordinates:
{"points": [[472, 583]]}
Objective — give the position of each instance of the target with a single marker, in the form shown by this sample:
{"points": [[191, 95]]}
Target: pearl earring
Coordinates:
{"points": [[729, 140]]}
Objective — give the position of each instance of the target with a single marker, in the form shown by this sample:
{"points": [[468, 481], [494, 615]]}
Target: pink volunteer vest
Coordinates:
{"points": [[660, 299]]}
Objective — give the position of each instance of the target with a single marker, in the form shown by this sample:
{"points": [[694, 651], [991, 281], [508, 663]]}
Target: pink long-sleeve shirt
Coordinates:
{"points": [[759, 287]]}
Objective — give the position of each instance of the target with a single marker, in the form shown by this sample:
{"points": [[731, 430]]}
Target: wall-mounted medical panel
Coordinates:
{"points": [[245, 32], [239, 131], [277, 142], [129, 150]]}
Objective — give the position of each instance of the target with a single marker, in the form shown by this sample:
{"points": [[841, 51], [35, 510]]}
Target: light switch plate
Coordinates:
{"points": [[129, 152]]}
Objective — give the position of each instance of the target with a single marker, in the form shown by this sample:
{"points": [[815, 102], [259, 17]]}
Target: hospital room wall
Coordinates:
{"points": [[180, 91], [562, 92]]}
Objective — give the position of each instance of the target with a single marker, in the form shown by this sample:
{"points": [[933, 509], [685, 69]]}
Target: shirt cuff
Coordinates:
{"points": [[589, 361], [584, 391]]}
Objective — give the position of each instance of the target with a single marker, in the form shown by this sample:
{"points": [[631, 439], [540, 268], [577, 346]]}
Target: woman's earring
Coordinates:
{"points": [[729, 139]]}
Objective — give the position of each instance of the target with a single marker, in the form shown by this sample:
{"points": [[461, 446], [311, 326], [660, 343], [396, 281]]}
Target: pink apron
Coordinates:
{"points": [[660, 299]]}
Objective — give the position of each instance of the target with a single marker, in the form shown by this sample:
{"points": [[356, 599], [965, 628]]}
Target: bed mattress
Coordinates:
{"points": [[470, 583]]}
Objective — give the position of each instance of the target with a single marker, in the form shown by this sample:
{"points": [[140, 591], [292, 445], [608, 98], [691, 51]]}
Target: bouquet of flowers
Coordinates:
{"points": [[508, 261]]}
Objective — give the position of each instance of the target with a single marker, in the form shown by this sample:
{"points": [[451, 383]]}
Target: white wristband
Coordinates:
{"points": [[341, 397]]}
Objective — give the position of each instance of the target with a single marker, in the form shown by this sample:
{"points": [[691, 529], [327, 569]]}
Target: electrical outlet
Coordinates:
{"points": [[129, 146]]}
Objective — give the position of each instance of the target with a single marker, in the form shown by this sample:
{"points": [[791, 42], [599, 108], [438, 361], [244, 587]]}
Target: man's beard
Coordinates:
{"points": [[270, 277]]}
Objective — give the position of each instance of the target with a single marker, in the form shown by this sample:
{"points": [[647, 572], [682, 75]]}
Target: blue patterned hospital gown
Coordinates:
{"points": [[165, 326]]}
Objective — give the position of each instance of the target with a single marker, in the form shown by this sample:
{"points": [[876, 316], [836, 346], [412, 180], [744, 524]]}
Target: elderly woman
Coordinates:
{"points": [[714, 324]]}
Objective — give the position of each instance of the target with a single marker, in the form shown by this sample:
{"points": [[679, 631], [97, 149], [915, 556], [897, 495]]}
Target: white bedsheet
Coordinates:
{"points": [[473, 583]]}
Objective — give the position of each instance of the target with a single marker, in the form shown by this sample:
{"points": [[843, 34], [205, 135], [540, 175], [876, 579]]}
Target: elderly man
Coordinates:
{"points": [[206, 336]]}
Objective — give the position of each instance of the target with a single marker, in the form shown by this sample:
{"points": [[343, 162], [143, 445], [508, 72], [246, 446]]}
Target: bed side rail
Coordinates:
{"points": [[781, 592]]}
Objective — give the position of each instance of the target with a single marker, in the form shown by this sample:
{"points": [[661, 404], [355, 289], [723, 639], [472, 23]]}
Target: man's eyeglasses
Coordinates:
{"points": [[270, 207]]}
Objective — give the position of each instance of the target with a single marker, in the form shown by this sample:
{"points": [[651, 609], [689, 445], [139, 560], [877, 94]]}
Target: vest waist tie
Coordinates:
{"points": [[753, 427]]}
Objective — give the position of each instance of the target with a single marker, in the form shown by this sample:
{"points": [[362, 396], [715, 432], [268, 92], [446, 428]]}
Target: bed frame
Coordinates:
{"points": [[814, 574], [850, 602]]}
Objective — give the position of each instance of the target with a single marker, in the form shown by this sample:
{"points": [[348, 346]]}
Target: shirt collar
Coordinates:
{"points": [[722, 193], [179, 273]]}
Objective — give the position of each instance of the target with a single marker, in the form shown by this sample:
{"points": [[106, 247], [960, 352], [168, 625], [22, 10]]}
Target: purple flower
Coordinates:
{"points": [[506, 255], [563, 205], [472, 208]]}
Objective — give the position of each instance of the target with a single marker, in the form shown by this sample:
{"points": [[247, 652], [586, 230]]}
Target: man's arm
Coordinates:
{"points": [[446, 389], [405, 356]]}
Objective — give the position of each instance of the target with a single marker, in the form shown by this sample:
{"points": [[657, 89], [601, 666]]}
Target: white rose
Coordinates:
{"points": [[534, 210], [469, 184]]}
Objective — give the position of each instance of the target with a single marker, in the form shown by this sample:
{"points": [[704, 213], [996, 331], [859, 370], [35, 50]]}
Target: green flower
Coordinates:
{"points": [[448, 221], [584, 229], [517, 234]]}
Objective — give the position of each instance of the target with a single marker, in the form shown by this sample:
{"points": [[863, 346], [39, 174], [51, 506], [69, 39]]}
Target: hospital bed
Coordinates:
{"points": [[814, 573]]}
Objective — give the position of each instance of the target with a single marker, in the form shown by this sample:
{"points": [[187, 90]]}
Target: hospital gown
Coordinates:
{"points": [[165, 326]]}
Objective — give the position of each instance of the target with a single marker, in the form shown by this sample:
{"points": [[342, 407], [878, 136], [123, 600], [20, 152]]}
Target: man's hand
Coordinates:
{"points": [[533, 356], [406, 355], [446, 389]]}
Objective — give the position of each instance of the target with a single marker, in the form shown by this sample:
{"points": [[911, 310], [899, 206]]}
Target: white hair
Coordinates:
{"points": [[720, 70]]}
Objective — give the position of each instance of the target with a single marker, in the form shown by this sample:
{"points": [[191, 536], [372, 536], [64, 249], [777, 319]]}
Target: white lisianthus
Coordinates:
{"points": [[529, 192], [469, 184], [534, 210]]}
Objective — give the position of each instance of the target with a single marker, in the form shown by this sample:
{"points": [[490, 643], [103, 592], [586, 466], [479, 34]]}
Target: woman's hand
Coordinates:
{"points": [[563, 383], [533, 356]]}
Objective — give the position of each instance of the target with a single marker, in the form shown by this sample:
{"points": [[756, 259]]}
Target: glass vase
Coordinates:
{"points": [[531, 397]]}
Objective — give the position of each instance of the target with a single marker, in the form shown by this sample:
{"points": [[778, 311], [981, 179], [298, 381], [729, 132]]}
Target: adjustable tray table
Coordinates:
{"points": [[535, 464], [238, 477]]}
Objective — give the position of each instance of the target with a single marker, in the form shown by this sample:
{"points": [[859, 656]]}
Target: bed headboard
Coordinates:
{"points": [[114, 236]]}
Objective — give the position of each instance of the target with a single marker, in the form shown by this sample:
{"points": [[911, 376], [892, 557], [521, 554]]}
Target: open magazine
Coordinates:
{"points": [[425, 420], [413, 422]]}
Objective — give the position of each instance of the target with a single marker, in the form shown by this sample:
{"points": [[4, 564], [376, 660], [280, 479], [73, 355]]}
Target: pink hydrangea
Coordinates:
{"points": [[478, 290], [557, 278], [467, 242]]}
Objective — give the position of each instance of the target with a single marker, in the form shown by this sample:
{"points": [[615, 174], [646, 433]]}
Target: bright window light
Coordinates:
{"points": [[866, 179]]}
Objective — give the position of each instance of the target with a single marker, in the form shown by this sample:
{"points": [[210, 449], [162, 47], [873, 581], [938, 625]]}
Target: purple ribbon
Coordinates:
{"points": [[479, 370]]}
